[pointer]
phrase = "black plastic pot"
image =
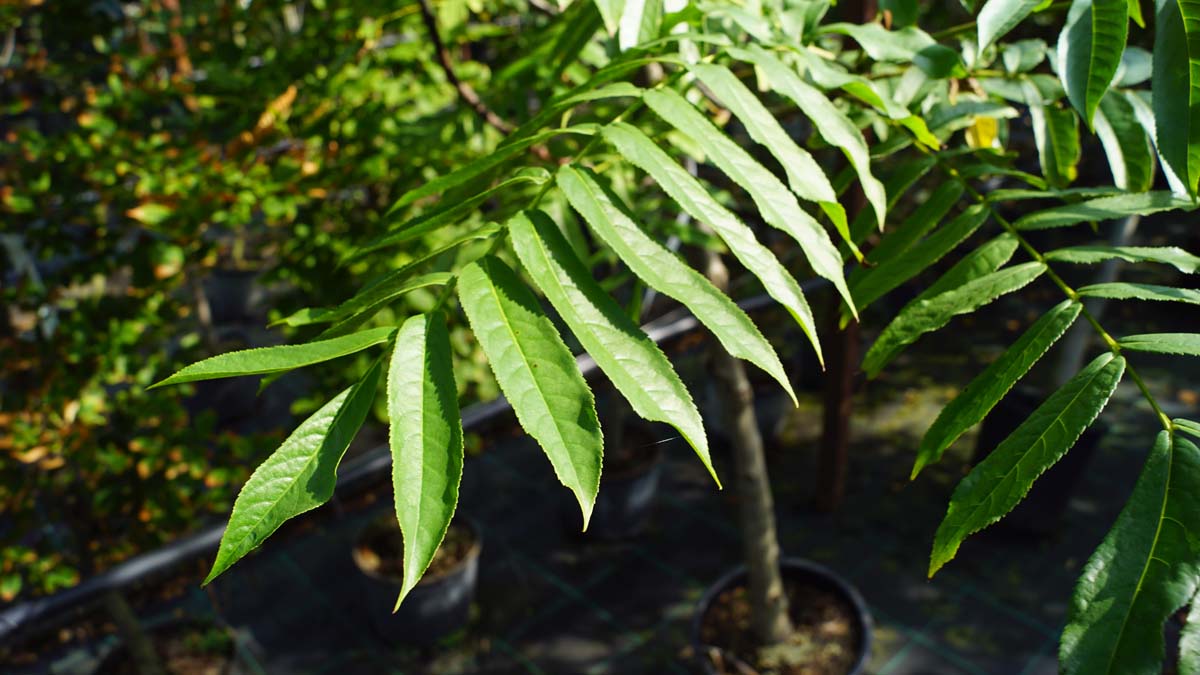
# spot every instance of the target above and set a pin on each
(1041, 512)
(436, 607)
(118, 659)
(796, 569)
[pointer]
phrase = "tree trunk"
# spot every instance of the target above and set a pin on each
(141, 649)
(839, 404)
(756, 509)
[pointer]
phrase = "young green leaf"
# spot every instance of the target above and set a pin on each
(1168, 255)
(299, 476)
(1089, 51)
(369, 299)
(1125, 142)
(1187, 426)
(1187, 344)
(895, 269)
(277, 359)
(1001, 480)
(1100, 209)
(479, 167)
(537, 374)
(1056, 133)
(985, 391)
(696, 201)
(776, 204)
(1000, 16)
(1147, 567)
(665, 273)
(981, 261)
(447, 214)
(632, 362)
(882, 44)
(831, 123)
(940, 62)
(804, 175)
(929, 315)
(1119, 290)
(1175, 88)
(426, 438)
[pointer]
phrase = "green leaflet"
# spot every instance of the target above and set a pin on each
(897, 182)
(426, 438)
(299, 476)
(777, 205)
(1175, 87)
(696, 200)
(632, 362)
(1056, 132)
(1140, 100)
(611, 10)
(1013, 195)
(1187, 426)
(1102, 208)
(831, 123)
(1000, 16)
(640, 21)
(1147, 567)
(986, 389)
(448, 214)
(1023, 55)
(1089, 51)
(804, 175)
(481, 166)
(277, 359)
(924, 316)
(1119, 290)
(1001, 480)
(1168, 255)
(1187, 344)
(895, 269)
(976, 263)
(388, 289)
(537, 374)
(881, 44)
(923, 219)
(1130, 155)
(940, 62)
(663, 272)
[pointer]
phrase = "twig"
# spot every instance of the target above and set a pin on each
(465, 91)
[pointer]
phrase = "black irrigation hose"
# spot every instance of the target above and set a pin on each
(358, 472)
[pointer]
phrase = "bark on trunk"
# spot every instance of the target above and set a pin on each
(141, 649)
(756, 509)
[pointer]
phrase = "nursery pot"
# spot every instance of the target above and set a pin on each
(797, 573)
(627, 494)
(171, 641)
(1042, 509)
(438, 605)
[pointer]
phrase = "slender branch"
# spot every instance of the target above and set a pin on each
(465, 91)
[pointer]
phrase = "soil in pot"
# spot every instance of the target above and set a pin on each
(380, 550)
(184, 648)
(826, 639)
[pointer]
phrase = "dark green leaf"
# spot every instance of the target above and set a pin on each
(1187, 426)
(1101, 209)
(976, 263)
(1187, 344)
(985, 391)
(1119, 290)
(1000, 16)
(1147, 567)
(1169, 255)
(929, 315)
(940, 62)
(1001, 480)
(1175, 87)
(1089, 51)
(1130, 155)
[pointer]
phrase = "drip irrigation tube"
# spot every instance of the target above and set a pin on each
(358, 472)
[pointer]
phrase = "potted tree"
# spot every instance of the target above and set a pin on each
(876, 70)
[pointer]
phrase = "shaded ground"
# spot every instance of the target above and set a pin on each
(550, 601)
